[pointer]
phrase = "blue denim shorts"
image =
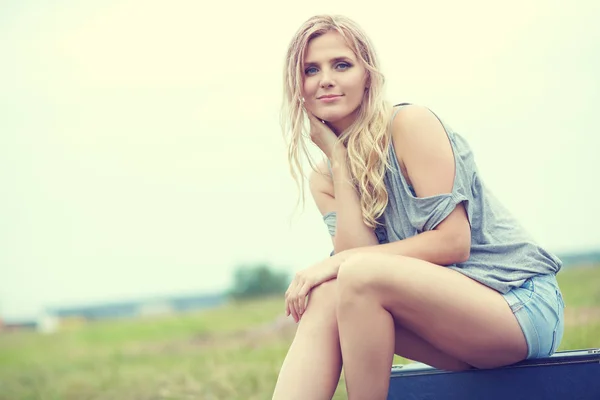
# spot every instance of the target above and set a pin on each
(538, 305)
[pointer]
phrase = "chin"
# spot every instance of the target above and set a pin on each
(333, 115)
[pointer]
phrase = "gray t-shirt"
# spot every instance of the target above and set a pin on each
(503, 255)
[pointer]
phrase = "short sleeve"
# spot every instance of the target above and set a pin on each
(425, 213)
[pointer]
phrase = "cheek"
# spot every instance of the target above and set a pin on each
(309, 88)
(355, 92)
(352, 84)
(359, 84)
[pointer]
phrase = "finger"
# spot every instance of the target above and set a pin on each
(287, 301)
(315, 121)
(297, 301)
(287, 308)
(318, 120)
(293, 311)
(291, 288)
(290, 306)
(295, 297)
(302, 298)
(288, 294)
(294, 305)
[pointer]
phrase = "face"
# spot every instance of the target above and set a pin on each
(334, 80)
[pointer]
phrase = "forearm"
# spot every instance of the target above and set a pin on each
(351, 231)
(433, 246)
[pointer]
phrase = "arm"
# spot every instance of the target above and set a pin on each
(427, 161)
(321, 188)
(426, 158)
(337, 194)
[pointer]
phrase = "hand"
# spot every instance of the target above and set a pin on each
(304, 282)
(322, 135)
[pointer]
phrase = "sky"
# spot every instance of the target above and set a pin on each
(141, 152)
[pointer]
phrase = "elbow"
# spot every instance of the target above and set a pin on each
(462, 255)
(456, 248)
(461, 249)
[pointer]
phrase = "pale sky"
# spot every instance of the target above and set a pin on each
(141, 154)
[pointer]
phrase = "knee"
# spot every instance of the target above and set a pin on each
(323, 298)
(325, 292)
(354, 277)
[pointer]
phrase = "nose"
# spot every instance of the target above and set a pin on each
(326, 80)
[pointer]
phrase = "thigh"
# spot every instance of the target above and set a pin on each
(456, 314)
(320, 315)
(410, 345)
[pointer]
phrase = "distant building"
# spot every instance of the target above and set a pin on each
(56, 317)
(24, 325)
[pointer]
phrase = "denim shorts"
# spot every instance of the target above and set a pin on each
(538, 305)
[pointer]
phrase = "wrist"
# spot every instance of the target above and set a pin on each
(338, 156)
(341, 257)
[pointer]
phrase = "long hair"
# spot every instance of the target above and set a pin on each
(366, 139)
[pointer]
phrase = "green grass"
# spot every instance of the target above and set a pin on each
(580, 286)
(207, 355)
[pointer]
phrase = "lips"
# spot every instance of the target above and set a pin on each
(329, 96)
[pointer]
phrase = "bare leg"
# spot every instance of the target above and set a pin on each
(311, 370)
(455, 314)
(367, 341)
(415, 348)
(312, 367)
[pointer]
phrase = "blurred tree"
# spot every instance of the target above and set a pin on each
(258, 280)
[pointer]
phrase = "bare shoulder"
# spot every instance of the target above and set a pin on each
(423, 149)
(415, 126)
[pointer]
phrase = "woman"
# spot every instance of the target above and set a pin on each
(427, 264)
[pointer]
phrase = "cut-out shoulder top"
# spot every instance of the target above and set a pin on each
(503, 255)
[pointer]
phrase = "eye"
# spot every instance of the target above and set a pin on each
(343, 66)
(310, 71)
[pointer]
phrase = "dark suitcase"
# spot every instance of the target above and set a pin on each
(572, 375)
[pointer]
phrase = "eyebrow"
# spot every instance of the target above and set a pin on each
(332, 61)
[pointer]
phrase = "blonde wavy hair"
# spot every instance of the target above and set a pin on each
(366, 140)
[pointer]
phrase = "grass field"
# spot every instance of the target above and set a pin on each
(232, 353)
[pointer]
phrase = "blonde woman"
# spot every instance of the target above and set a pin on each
(427, 264)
